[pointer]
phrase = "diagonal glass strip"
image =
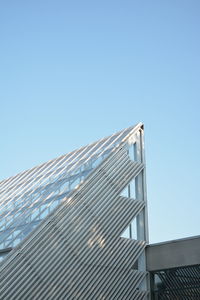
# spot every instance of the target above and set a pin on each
(27, 198)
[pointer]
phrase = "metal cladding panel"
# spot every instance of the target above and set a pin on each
(77, 251)
(177, 283)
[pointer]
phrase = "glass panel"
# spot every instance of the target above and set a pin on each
(129, 190)
(132, 152)
(134, 229)
(125, 192)
(126, 233)
(131, 231)
(132, 189)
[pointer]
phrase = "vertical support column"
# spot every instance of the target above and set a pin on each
(151, 285)
(144, 188)
(142, 225)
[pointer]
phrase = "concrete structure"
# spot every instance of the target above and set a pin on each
(173, 254)
(174, 268)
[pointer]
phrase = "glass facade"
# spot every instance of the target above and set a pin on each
(77, 251)
(27, 198)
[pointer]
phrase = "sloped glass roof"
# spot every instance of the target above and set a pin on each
(27, 198)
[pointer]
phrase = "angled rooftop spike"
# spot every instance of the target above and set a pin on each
(77, 225)
(30, 196)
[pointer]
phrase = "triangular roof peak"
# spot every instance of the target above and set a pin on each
(27, 198)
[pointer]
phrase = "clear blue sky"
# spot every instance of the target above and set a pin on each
(72, 72)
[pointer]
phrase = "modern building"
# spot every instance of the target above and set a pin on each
(76, 228)
(174, 269)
